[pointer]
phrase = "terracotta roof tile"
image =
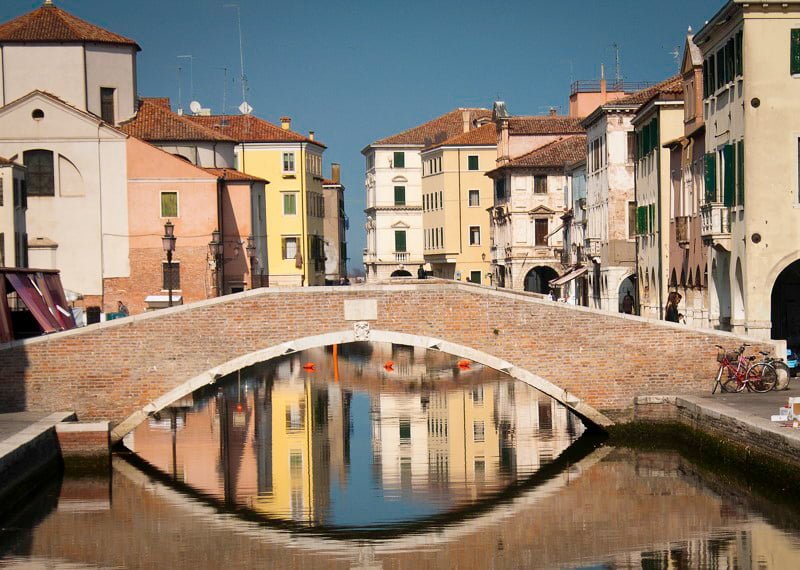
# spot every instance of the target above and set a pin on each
(234, 175)
(51, 24)
(485, 135)
(545, 125)
(554, 155)
(673, 85)
(329, 182)
(436, 130)
(155, 122)
(6, 162)
(249, 128)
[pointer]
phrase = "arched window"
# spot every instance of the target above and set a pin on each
(39, 178)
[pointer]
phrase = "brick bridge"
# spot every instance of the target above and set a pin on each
(593, 362)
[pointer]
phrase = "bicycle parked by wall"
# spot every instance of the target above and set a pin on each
(782, 371)
(737, 372)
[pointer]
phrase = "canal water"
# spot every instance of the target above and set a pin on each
(385, 456)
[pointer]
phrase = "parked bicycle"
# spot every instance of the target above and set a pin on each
(737, 372)
(782, 371)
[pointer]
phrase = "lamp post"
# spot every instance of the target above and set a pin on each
(251, 253)
(168, 243)
(217, 248)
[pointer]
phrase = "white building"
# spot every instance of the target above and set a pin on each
(394, 194)
(13, 204)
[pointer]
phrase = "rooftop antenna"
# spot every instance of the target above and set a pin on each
(224, 90)
(617, 69)
(191, 74)
(180, 95)
(244, 104)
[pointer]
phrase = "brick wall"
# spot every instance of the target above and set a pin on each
(108, 371)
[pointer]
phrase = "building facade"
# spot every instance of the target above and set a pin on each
(656, 123)
(335, 230)
(13, 206)
(455, 197)
(395, 244)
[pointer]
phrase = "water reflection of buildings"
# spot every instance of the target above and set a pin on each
(277, 438)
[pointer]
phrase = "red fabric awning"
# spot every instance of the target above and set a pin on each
(37, 305)
(57, 292)
(6, 330)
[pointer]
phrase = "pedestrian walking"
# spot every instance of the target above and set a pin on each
(671, 314)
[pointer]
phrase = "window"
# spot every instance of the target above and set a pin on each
(107, 104)
(474, 235)
(711, 177)
(500, 189)
(631, 220)
(631, 146)
(475, 277)
(174, 277)
(795, 51)
(472, 162)
(477, 393)
(405, 430)
(399, 195)
(400, 240)
(20, 194)
(728, 181)
(540, 184)
(540, 231)
(1, 191)
(288, 162)
(474, 198)
(289, 247)
(478, 431)
(290, 203)
(40, 176)
(740, 173)
(296, 416)
(169, 204)
(399, 160)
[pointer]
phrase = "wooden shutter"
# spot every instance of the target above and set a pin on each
(400, 240)
(795, 54)
(739, 53)
(399, 195)
(728, 179)
(169, 204)
(705, 79)
(711, 178)
(740, 173)
(472, 162)
(399, 160)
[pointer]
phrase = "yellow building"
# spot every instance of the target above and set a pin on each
(455, 196)
(295, 204)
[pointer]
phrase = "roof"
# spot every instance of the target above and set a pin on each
(234, 175)
(545, 125)
(51, 24)
(6, 162)
(554, 155)
(436, 130)
(485, 135)
(249, 128)
(155, 121)
(329, 182)
(672, 84)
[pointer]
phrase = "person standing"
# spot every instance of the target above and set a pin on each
(421, 272)
(672, 314)
(627, 303)
(122, 310)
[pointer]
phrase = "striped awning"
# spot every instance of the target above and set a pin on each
(567, 277)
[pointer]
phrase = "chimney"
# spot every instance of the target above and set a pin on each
(465, 119)
(286, 123)
(603, 96)
(335, 172)
(553, 111)
(311, 135)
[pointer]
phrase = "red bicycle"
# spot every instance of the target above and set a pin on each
(742, 372)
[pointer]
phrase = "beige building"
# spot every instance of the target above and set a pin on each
(657, 122)
(455, 196)
(335, 227)
(13, 204)
(750, 216)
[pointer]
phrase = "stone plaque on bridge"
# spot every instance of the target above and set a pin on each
(361, 310)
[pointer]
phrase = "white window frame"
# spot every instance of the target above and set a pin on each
(284, 250)
(469, 198)
(296, 201)
(471, 242)
(289, 156)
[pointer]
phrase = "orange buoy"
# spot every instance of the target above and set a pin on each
(463, 364)
(389, 365)
(309, 366)
(238, 407)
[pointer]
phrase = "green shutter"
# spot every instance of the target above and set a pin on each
(740, 173)
(651, 210)
(795, 51)
(399, 160)
(400, 240)
(472, 162)
(711, 178)
(730, 69)
(399, 195)
(169, 204)
(641, 220)
(705, 79)
(728, 180)
(739, 53)
(720, 65)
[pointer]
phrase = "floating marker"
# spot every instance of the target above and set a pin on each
(309, 366)
(389, 365)
(465, 364)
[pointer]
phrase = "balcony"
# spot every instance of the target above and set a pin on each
(369, 257)
(715, 224)
(402, 257)
(682, 230)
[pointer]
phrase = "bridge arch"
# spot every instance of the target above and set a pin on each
(212, 375)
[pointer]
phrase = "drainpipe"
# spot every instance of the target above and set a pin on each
(660, 217)
(102, 235)
(304, 213)
(460, 227)
(636, 297)
(221, 226)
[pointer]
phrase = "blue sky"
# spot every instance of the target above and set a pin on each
(358, 70)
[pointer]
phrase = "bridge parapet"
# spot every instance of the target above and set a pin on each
(594, 362)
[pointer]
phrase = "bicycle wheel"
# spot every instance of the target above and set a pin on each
(761, 377)
(784, 374)
(731, 384)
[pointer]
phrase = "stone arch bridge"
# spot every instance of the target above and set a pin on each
(593, 362)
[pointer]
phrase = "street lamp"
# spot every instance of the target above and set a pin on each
(251, 253)
(217, 248)
(168, 243)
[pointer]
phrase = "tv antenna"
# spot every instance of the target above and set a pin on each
(241, 58)
(224, 89)
(617, 68)
(191, 77)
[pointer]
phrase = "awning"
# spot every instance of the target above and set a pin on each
(32, 297)
(568, 277)
(6, 331)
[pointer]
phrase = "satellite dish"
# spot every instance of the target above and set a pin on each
(195, 107)
(245, 108)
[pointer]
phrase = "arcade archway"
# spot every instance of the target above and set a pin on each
(538, 279)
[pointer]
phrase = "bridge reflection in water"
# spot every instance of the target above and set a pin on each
(377, 438)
